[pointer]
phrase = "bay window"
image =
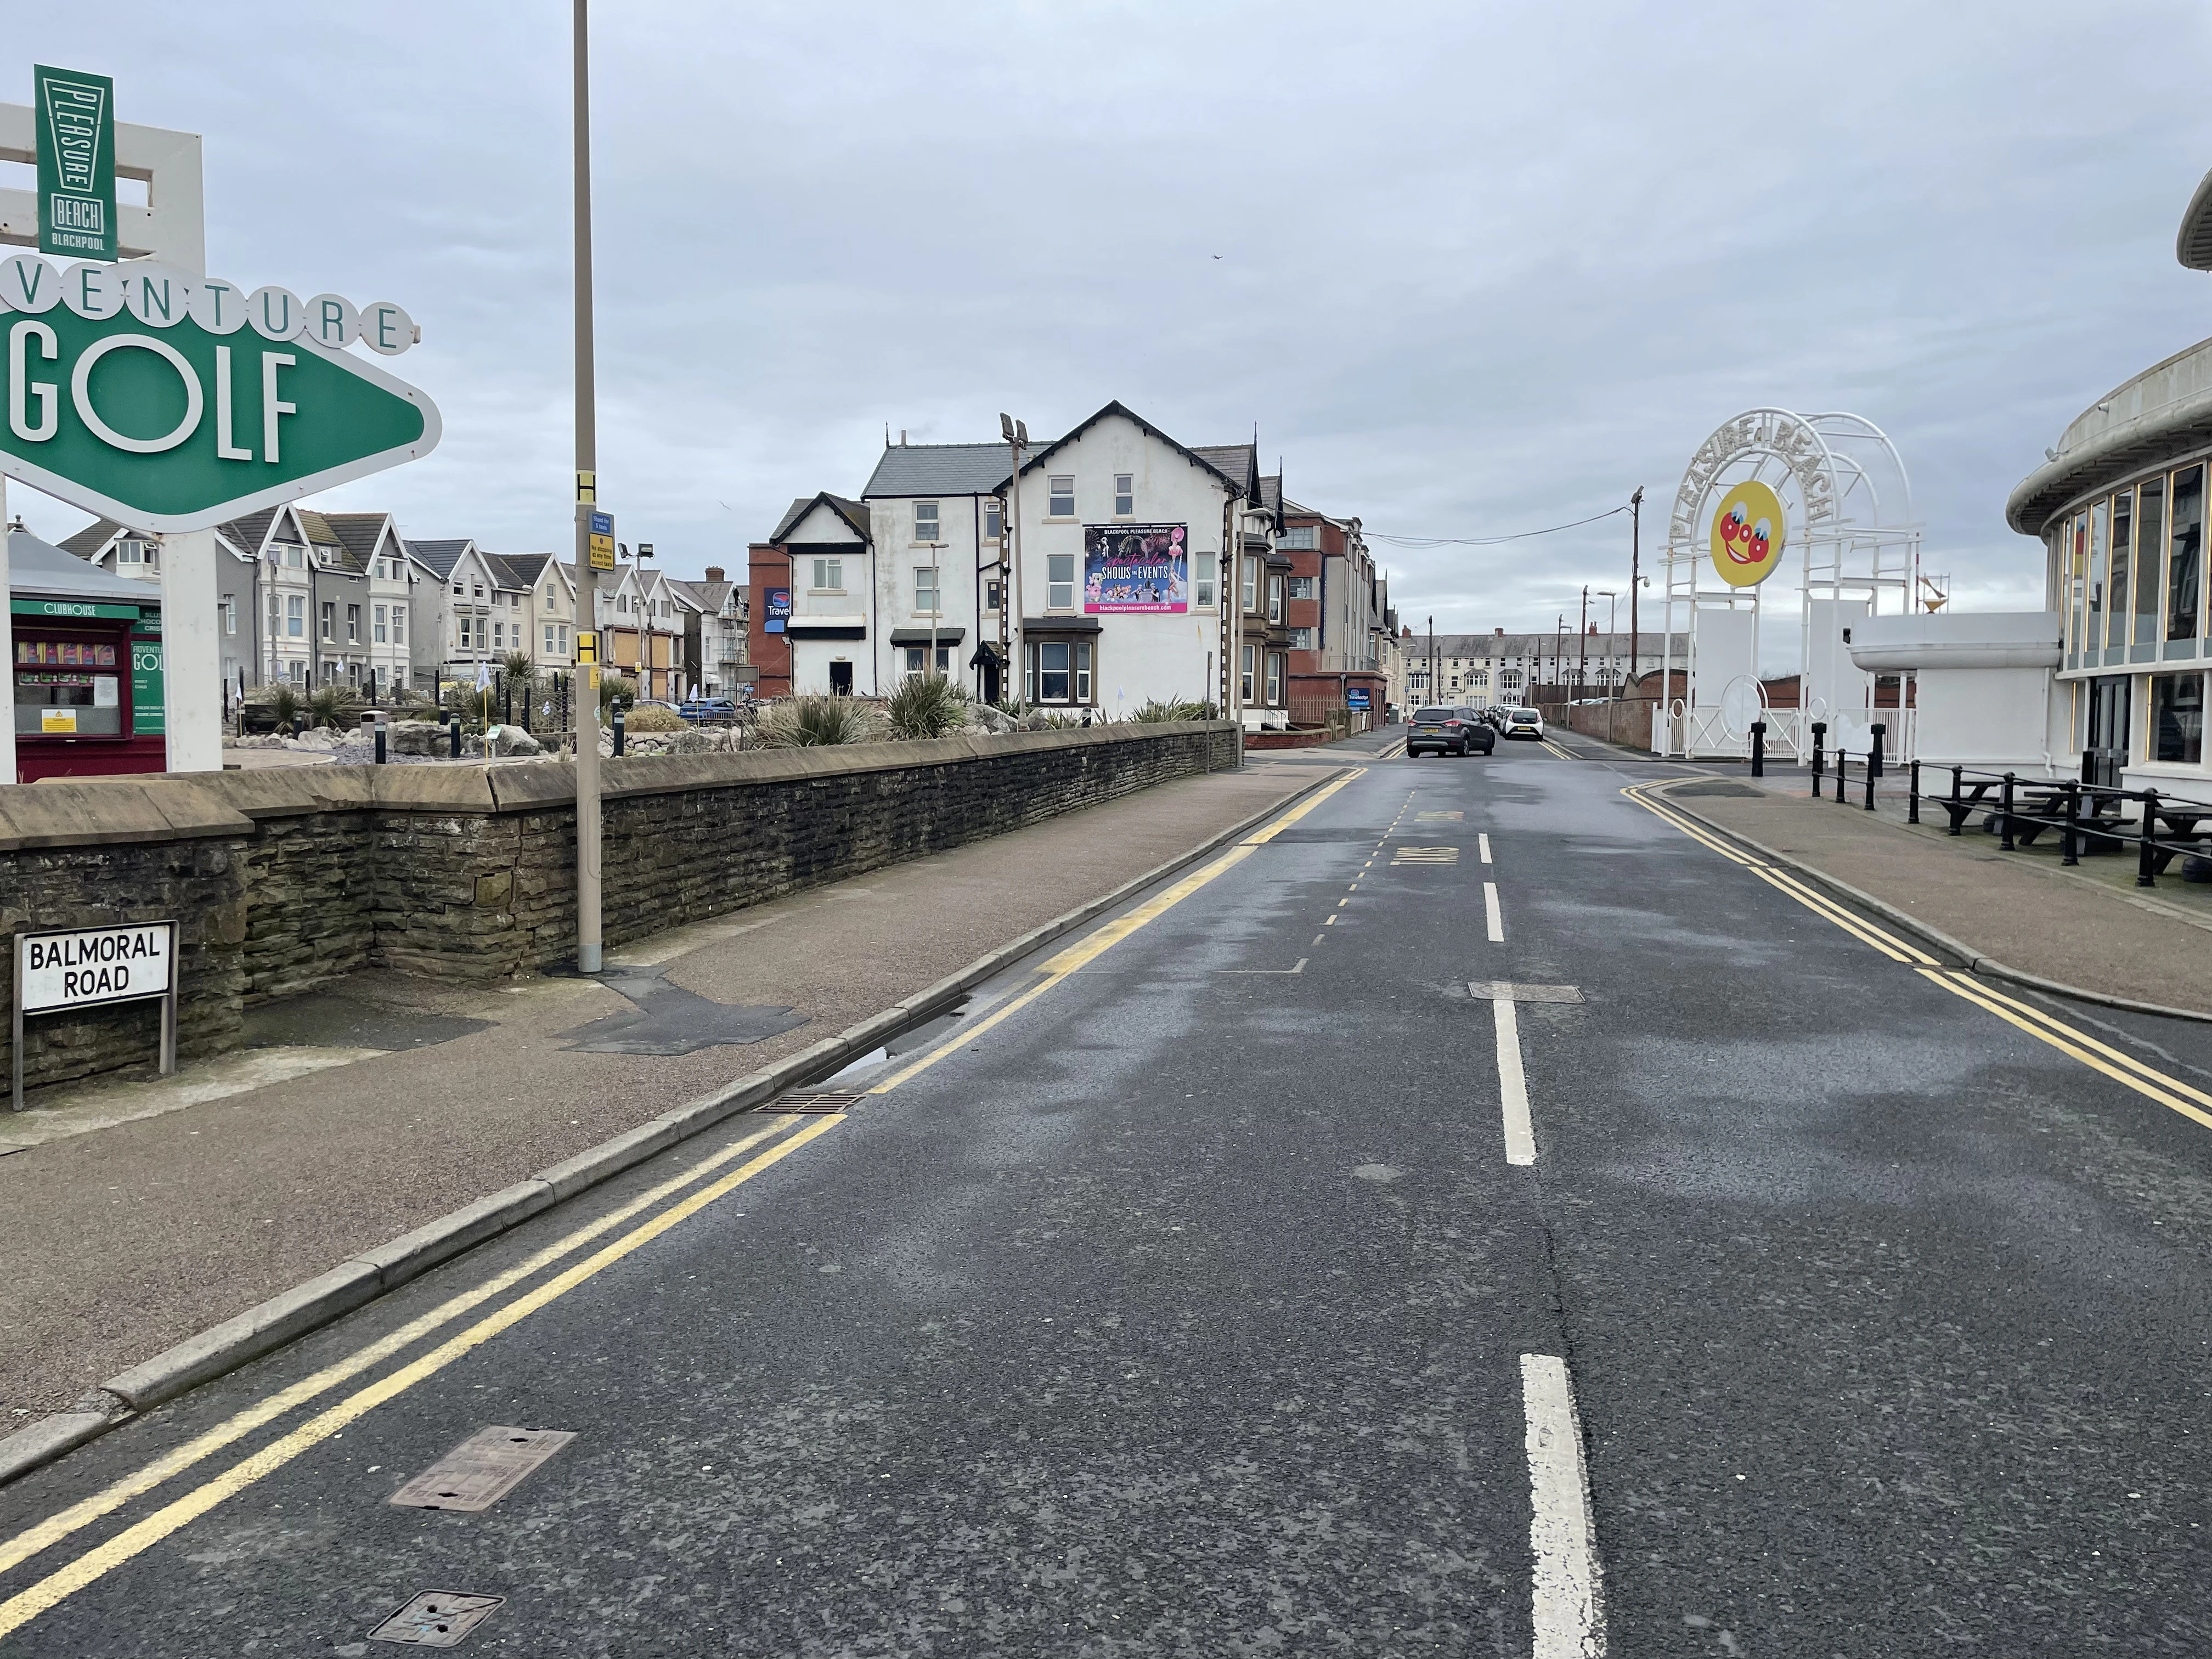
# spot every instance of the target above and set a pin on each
(1059, 671)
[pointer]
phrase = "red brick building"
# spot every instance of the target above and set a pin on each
(1336, 620)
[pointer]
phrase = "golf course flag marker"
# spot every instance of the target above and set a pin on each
(177, 402)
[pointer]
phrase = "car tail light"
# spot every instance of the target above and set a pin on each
(1451, 722)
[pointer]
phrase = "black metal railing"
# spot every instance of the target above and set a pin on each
(2088, 816)
(1838, 760)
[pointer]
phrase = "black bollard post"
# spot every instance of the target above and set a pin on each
(1820, 735)
(1758, 749)
(2147, 864)
(1912, 800)
(1873, 771)
(619, 732)
(1873, 757)
(453, 732)
(1842, 771)
(1958, 789)
(2004, 815)
(380, 743)
(2069, 845)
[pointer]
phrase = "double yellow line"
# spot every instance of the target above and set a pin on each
(57, 1587)
(2122, 1067)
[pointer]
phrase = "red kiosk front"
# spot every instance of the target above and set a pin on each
(87, 666)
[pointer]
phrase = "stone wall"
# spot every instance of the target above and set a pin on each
(285, 879)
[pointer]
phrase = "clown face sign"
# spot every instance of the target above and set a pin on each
(1747, 534)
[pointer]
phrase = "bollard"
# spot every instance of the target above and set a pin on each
(453, 732)
(2004, 815)
(1912, 801)
(1873, 770)
(1874, 754)
(1820, 732)
(2147, 864)
(1758, 749)
(380, 743)
(1958, 789)
(2069, 847)
(619, 732)
(1843, 770)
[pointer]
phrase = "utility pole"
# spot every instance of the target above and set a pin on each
(1431, 697)
(1635, 583)
(1582, 663)
(587, 585)
(1016, 434)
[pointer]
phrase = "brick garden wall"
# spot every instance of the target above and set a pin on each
(287, 879)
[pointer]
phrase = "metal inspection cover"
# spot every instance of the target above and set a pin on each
(436, 1619)
(481, 1470)
(1498, 990)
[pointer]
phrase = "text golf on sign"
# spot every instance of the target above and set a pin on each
(94, 965)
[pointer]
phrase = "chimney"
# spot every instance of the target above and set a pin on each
(714, 572)
(1501, 633)
(902, 437)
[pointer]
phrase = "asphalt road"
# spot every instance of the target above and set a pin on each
(1182, 1297)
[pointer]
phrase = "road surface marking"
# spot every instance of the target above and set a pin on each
(1318, 938)
(2145, 1080)
(1099, 942)
(1668, 816)
(1513, 1084)
(1341, 902)
(1482, 846)
(25, 1605)
(1865, 935)
(1492, 914)
(1423, 853)
(1329, 922)
(1568, 1613)
(15, 1551)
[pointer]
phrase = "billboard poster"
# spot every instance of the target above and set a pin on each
(1136, 567)
(779, 609)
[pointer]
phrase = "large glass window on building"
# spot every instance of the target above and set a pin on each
(2177, 718)
(2099, 521)
(2150, 568)
(2184, 578)
(2116, 606)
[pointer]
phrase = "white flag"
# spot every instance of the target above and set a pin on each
(483, 677)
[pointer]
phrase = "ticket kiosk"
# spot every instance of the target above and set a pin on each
(86, 668)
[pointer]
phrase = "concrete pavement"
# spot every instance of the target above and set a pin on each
(1189, 1298)
(143, 1211)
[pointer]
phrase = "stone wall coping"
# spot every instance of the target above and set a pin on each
(165, 806)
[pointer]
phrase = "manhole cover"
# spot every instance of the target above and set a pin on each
(816, 1100)
(481, 1470)
(1498, 990)
(436, 1619)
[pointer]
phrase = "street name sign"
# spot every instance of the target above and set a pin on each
(86, 967)
(174, 401)
(76, 115)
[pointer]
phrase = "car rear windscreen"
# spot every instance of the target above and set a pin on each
(1436, 713)
(1526, 715)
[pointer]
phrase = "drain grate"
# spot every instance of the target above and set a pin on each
(815, 1100)
(483, 1469)
(436, 1619)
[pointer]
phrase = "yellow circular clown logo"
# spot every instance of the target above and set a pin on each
(1747, 534)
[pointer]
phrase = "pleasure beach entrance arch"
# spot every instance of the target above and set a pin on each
(1846, 526)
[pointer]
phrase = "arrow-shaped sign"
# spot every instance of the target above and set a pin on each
(168, 427)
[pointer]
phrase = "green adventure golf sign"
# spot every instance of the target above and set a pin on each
(174, 401)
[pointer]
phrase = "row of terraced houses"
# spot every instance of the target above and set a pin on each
(1150, 569)
(319, 598)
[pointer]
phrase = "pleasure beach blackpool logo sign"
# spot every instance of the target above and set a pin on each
(173, 402)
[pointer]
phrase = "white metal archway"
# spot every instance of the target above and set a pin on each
(1849, 506)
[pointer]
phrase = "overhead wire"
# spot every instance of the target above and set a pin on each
(1490, 541)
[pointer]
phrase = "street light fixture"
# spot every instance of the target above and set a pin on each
(588, 587)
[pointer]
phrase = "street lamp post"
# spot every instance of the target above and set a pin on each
(1635, 582)
(587, 585)
(1017, 433)
(1581, 661)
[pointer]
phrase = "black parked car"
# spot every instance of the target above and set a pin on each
(1446, 731)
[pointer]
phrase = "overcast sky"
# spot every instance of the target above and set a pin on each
(1471, 269)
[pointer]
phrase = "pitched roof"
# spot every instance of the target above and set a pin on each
(92, 541)
(940, 469)
(853, 513)
(518, 570)
(1238, 463)
(251, 529)
(441, 557)
(711, 594)
(38, 567)
(1202, 457)
(359, 532)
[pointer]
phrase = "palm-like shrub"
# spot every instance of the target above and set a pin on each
(927, 706)
(808, 722)
(332, 705)
(1176, 708)
(285, 704)
(616, 691)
